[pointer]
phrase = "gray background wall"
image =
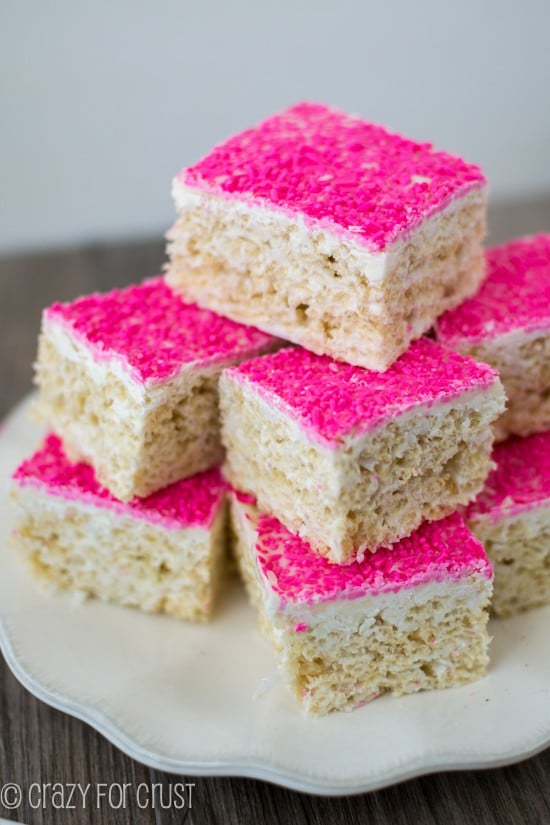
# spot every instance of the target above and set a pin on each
(102, 102)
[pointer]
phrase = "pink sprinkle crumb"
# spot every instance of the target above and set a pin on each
(301, 627)
(519, 483)
(332, 400)
(244, 498)
(153, 333)
(193, 502)
(514, 297)
(337, 172)
(438, 551)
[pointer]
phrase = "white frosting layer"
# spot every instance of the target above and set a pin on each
(298, 236)
(357, 615)
(302, 239)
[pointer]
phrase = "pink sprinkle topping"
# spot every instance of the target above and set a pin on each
(438, 551)
(153, 333)
(515, 296)
(332, 400)
(301, 627)
(338, 172)
(193, 502)
(519, 483)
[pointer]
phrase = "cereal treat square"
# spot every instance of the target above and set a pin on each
(165, 553)
(352, 459)
(402, 620)
(512, 517)
(129, 381)
(330, 232)
(507, 324)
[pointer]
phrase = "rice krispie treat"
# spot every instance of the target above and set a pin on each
(164, 553)
(512, 517)
(402, 620)
(507, 324)
(129, 381)
(330, 232)
(352, 459)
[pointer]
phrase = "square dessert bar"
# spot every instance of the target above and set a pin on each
(164, 553)
(507, 324)
(352, 459)
(330, 232)
(512, 517)
(406, 619)
(129, 381)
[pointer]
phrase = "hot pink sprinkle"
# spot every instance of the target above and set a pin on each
(193, 502)
(337, 172)
(154, 333)
(515, 296)
(332, 400)
(438, 551)
(301, 627)
(521, 480)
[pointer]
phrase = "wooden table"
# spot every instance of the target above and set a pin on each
(38, 744)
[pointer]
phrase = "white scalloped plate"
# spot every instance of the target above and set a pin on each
(198, 700)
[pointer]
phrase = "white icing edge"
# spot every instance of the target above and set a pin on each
(54, 499)
(373, 264)
(275, 409)
(145, 395)
(342, 613)
(497, 340)
(536, 512)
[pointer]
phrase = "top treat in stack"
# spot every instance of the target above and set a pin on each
(507, 324)
(129, 381)
(330, 232)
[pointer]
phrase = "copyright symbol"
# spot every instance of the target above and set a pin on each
(10, 796)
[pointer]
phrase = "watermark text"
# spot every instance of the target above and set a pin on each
(74, 796)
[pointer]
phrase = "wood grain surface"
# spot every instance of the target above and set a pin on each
(41, 745)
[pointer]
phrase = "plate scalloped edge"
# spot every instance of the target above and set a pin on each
(107, 728)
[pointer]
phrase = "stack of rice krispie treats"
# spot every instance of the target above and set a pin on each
(349, 454)
(280, 367)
